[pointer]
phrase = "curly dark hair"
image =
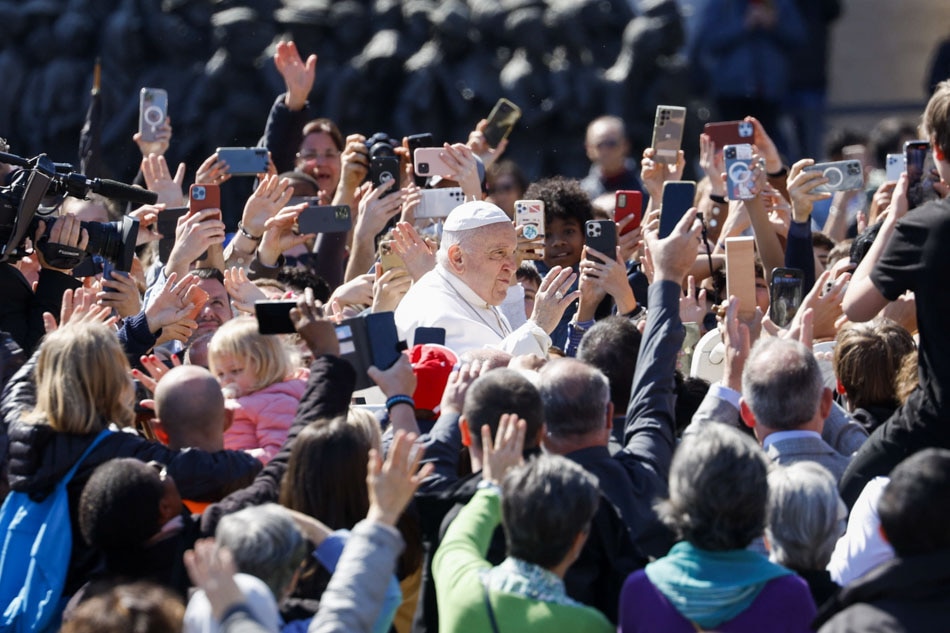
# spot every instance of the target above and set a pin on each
(563, 199)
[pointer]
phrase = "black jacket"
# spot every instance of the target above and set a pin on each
(40, 457)
(904, 595)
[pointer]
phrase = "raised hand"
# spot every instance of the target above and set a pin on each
(553, 297)
(393, 483)
(298, 75)
(163, 138)
(271, 195)
(243, 292)
(158, 178)
(317, 332)
(416, 253)
(506, 452)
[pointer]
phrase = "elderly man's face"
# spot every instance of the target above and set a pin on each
(487, 262)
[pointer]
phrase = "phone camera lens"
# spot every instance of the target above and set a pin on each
(423, 168)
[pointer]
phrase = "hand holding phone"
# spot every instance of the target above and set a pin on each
(529, 214)
(668, 133)
(153, 110)
(628, 203)
(678, 198)
(785, 291)
(601, 235)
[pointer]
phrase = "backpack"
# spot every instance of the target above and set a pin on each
(35, 544)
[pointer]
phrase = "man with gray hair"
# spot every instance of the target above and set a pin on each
(785, 403)
(475, 265)
(579, 412)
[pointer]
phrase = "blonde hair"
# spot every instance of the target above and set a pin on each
(270, 360)
(368, 425)
(82, 380)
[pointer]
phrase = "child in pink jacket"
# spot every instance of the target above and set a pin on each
(261, 386)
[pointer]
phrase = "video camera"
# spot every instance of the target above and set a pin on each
(41, 177)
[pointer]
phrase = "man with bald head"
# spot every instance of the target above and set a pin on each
(611, 168)
(190, 409)
(475, 264)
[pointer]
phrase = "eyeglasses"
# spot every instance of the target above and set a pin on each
(308, 156)
(608, 143)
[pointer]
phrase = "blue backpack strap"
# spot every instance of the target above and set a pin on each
(72, 471)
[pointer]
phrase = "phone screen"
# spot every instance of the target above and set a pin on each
(921, 173)
(786, 295)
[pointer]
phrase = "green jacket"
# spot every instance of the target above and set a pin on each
(457, 568)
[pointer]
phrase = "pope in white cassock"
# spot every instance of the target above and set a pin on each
(475, 264)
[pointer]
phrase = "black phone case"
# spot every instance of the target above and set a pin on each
(383, 169)
(273, 317)
(333, 218)
(166, 224)
(677, 200)
(602, 236)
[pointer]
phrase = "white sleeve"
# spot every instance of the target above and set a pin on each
(862, 548)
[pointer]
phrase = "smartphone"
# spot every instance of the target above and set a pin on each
(388, 258)
(167, 224)
(894, 166)
(382, 169)
(438, 203)
(318, 218)
(501, 120)
(530, 215)
(427, 161)
(740, 273)
(110, 272)
(199, 298)
(729, 133)
(201, 197)
(785, 291)
(842, 175)
(601, 235)
(738, 160)
(627, 203)
(153, 110)
(414, 142)
(921, 173)
(273, 317)
(428, 335)
(668, 133)
(678, 198)
(245, 161)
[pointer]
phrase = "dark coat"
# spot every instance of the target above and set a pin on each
(904, 595)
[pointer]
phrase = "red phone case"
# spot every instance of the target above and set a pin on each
(201, 197)
(628, 203)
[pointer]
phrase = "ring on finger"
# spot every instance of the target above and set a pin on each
(558, 295)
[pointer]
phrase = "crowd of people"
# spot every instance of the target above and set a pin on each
(573, 440)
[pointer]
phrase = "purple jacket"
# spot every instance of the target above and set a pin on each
(783, 606)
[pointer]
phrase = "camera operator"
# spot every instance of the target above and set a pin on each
(22, 308)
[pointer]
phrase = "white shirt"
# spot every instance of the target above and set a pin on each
(862, 548)
(440, 299)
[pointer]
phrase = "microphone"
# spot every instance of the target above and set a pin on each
(121, 191)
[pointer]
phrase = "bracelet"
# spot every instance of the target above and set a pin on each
(400, 399)
(717, 199)
(243, 231)
(781, 173)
